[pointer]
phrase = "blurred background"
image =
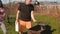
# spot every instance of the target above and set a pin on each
(46, 11)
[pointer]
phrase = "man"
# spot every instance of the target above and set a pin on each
(25, 14)
(2, 15)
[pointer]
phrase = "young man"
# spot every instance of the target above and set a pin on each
(2, 15)
(25, 13)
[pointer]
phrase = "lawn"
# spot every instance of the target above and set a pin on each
(53, 22)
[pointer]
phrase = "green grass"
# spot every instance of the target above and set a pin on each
(53, 22)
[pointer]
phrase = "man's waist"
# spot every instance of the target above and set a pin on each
(24, 19)
(1, 20)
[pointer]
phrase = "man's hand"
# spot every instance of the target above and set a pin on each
(16, 20)
(34, 20)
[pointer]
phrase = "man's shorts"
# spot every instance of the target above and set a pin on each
(24, 24)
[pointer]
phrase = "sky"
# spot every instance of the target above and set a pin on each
(7, 1)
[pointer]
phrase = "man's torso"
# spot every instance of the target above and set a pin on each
(25, 12)
(1, 14)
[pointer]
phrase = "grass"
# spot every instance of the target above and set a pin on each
(53, 22)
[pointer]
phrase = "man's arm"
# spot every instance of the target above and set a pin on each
(4, 14)
(17, 15)
(32, 16)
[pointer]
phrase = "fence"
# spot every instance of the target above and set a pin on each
(52, 10)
